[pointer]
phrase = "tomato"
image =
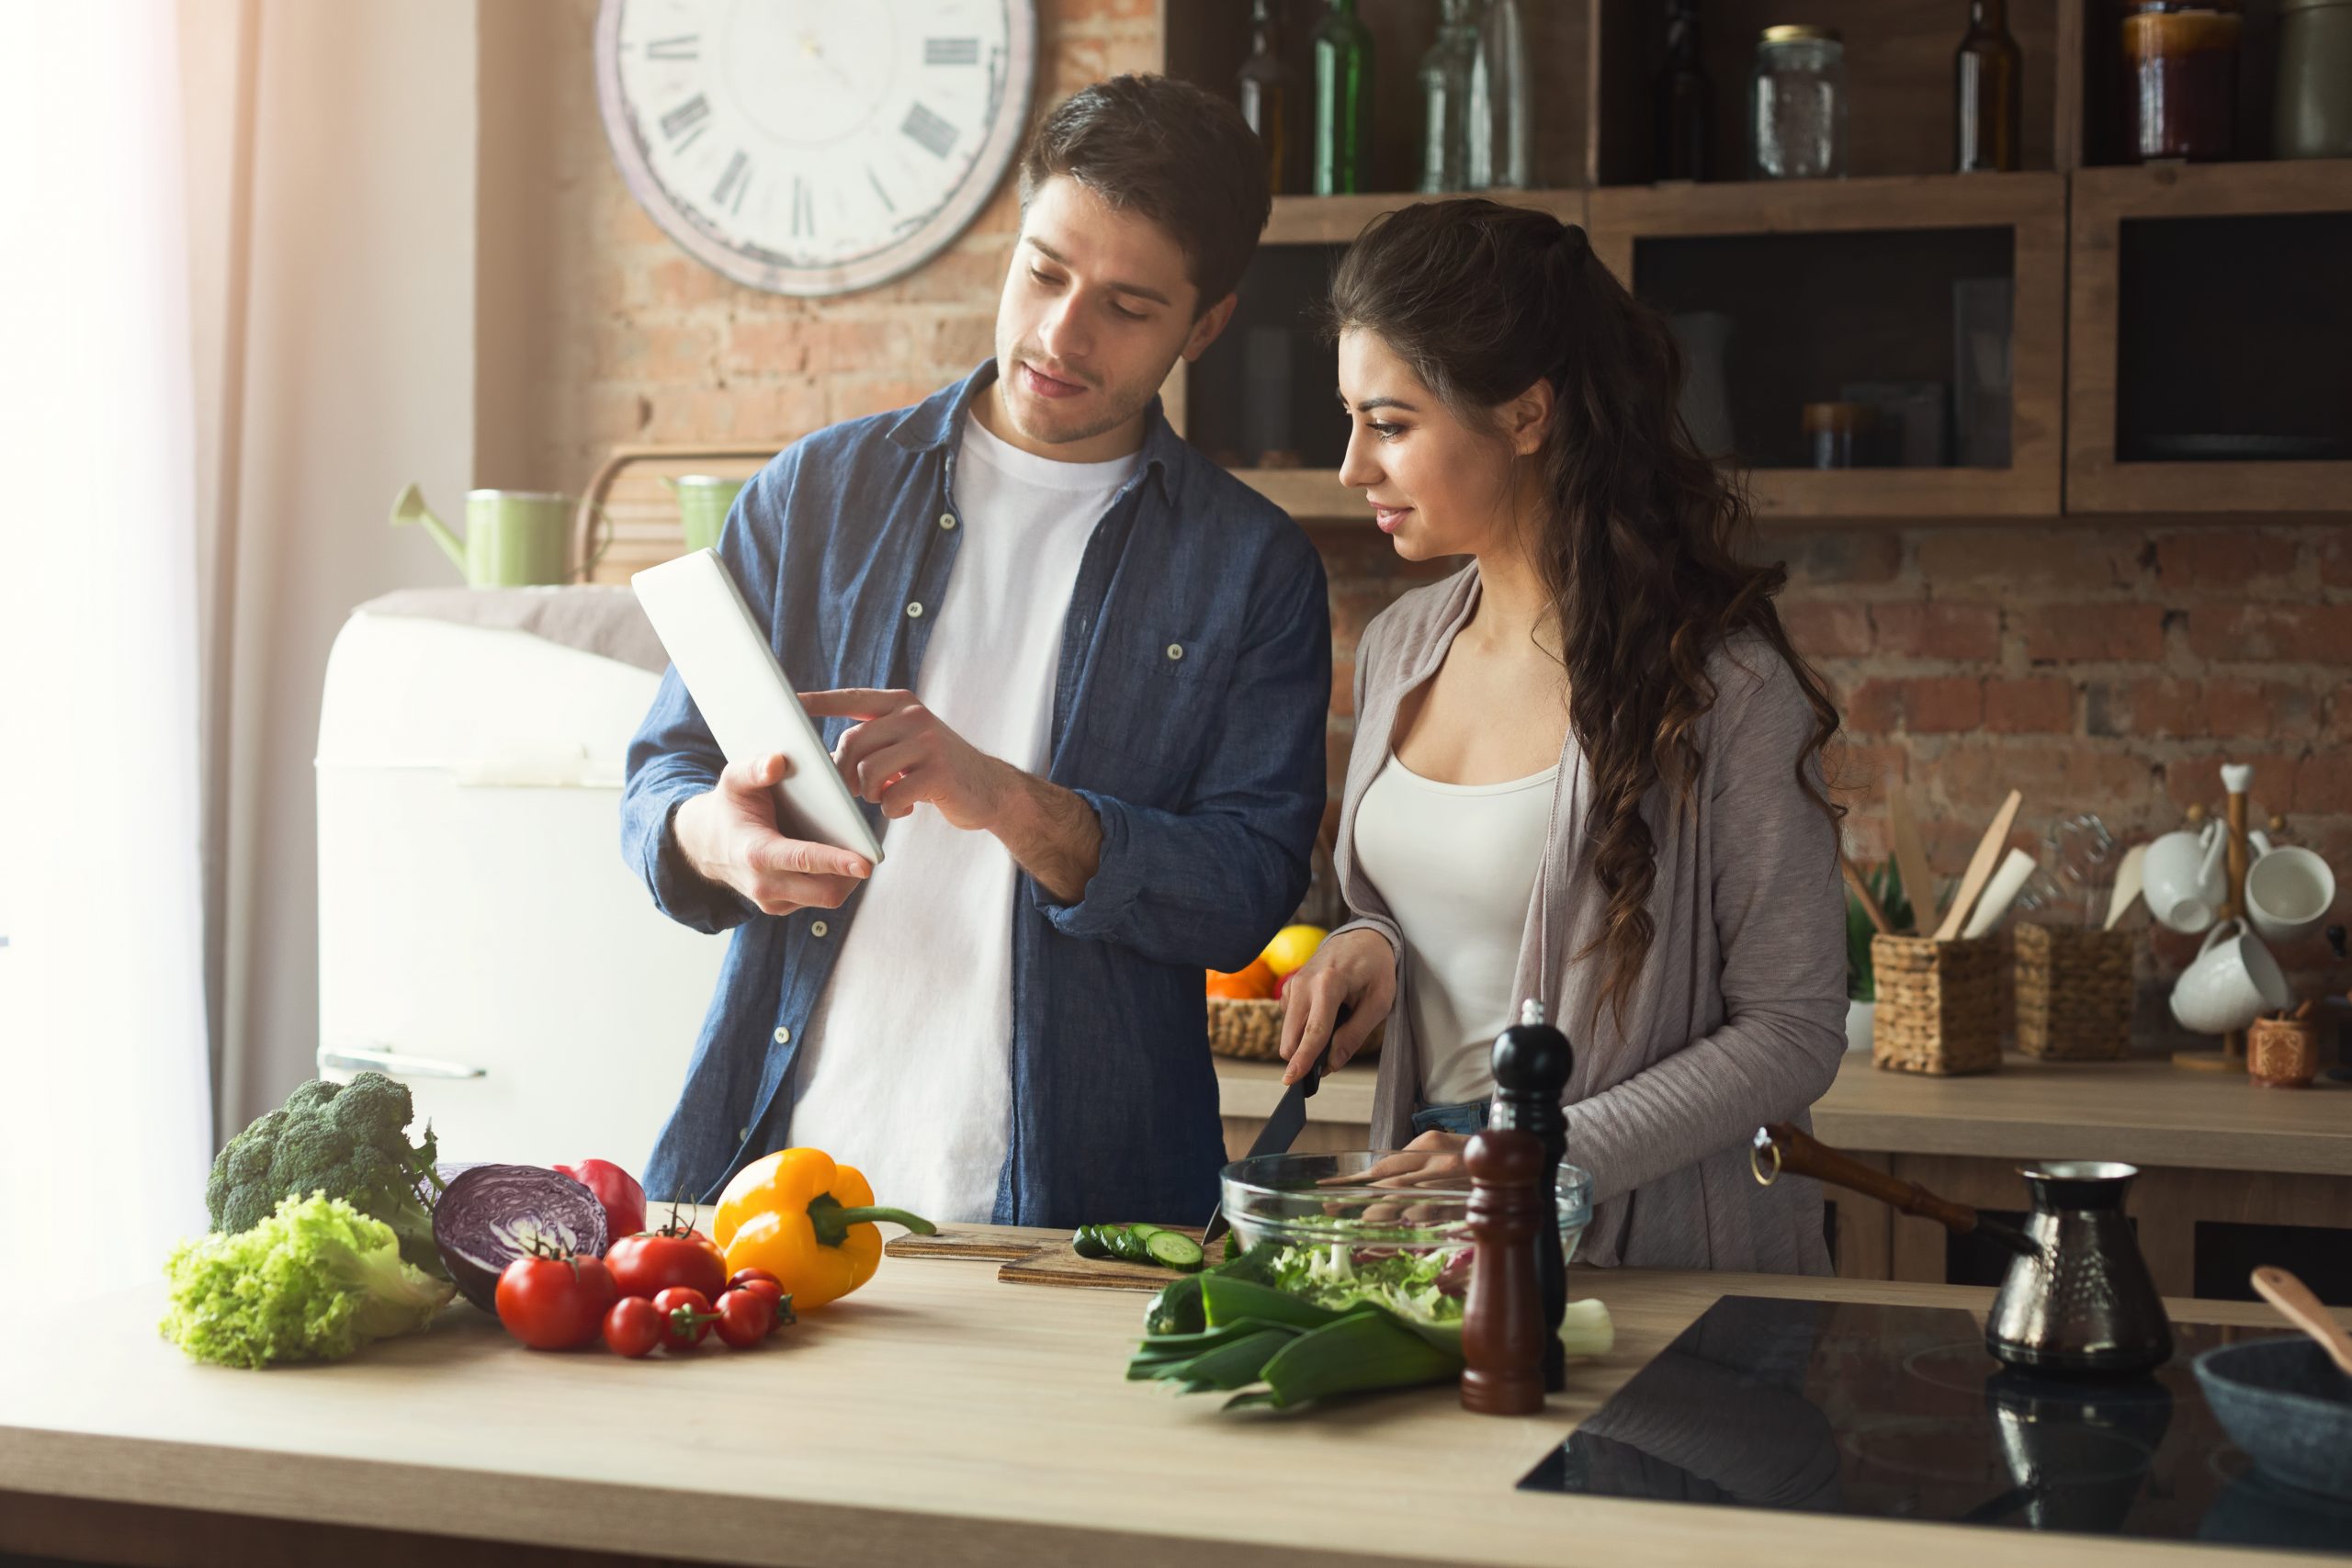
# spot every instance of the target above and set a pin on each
(767, 1290)
(745, 1318)
(632, 1327)
(651, 1261)
(737, 1280)
(555, 1302)
(685, 1316)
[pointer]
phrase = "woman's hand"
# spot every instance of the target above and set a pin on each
(1336, 1000)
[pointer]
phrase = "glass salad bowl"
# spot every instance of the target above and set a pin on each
(1364, 1224)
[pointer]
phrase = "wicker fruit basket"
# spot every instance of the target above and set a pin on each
(2074, 986)
(1938, 1004)
(1252, 1030)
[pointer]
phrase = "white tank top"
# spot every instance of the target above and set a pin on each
(1457, 865)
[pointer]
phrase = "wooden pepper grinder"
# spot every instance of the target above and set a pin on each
(1502, 1321)
(1532, 1060)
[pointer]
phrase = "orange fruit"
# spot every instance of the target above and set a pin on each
(1256, 982)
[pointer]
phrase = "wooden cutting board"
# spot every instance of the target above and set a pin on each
(991, 1244)
(1056, 1264)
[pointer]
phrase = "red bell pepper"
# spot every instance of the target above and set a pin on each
(616, 1189)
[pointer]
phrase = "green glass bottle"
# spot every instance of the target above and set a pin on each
(1342, 102)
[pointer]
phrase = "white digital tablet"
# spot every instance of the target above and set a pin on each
(753, 711)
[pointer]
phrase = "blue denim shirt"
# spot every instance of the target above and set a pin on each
(1205, 768)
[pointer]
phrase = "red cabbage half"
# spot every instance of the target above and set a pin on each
(491, 1214)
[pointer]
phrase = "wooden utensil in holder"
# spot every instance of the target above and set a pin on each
(1938, 1004)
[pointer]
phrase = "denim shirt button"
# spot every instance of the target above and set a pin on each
(819, 927)
(914, 612)
(743, 1135)
(1175, 650)
(782, 1035)
(947, 519)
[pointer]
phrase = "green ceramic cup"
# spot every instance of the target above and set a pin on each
(704, 500)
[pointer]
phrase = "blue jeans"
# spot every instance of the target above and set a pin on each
(1464, 1118)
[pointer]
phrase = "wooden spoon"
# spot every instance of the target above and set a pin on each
(2130, 878)
(2298, 1306)
(1911, 859)
(1980, 867)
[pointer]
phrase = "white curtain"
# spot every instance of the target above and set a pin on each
(104, 1098)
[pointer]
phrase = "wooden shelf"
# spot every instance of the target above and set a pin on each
(2105, 200)
(2031, 206)
(1337, 219)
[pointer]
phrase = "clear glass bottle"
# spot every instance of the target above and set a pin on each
(1987, 96)
(1447, 70)
(1502, 108)
(1796, 105)
(1263, 87)
(1343, 48)
(1682, 100)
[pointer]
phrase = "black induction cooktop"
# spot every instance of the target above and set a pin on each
(1898, 1413)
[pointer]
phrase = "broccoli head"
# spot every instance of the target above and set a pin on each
(348, 1141)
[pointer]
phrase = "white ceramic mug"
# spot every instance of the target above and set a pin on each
(2233, 981)
(2184, 879)
(2289, 892)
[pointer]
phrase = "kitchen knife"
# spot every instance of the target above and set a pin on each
(1282, 1129)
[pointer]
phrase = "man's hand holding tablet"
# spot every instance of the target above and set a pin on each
(730, 837)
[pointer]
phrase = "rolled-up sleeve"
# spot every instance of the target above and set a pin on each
(1210, 883)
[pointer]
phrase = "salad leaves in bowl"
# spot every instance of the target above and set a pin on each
(1386, 1228)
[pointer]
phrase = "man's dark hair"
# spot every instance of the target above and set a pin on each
(1179, 155)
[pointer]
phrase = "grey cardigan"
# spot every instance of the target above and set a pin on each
(1738, 1017)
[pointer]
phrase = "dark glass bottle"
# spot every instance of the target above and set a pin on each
(1987, 98)
(1342, 102)
(1683, 99)
(1263, 88)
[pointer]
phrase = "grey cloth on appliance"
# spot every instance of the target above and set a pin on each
(597, 618)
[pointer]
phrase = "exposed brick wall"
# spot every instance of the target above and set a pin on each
(2097, 667)
(641, 342)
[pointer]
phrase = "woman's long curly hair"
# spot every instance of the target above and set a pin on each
(1638, 547)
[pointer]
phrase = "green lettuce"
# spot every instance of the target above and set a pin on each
(313, 1282)
(1337, 1277)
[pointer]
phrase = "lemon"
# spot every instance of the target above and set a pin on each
(1293, 946)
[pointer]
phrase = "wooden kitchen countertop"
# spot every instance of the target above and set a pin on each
(2145, 1111)
(937, 1415)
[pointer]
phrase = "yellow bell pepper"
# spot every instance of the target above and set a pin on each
(807, 1221)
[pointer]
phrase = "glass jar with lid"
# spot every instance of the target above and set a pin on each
(1796, 104)
(2180, 65)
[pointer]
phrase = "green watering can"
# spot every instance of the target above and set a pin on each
(704, 501)
(515, 538)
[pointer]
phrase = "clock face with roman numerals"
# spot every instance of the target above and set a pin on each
(814, 146)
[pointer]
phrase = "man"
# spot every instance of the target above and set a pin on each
(1079, 670)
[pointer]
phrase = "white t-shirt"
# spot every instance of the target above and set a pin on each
(1457, 865)
(906, 1069)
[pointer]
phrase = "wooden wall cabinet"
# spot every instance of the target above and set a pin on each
(2210, 306)
(1801, 307)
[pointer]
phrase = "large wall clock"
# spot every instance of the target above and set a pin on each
(815, 146)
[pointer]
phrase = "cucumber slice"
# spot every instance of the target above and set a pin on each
(1174, 1248)
(1123, 1243)
(1088, 1242)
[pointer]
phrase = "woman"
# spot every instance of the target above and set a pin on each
(1586, 766)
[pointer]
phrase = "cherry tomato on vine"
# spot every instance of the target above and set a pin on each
(633, 1328)
(685, 1316)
